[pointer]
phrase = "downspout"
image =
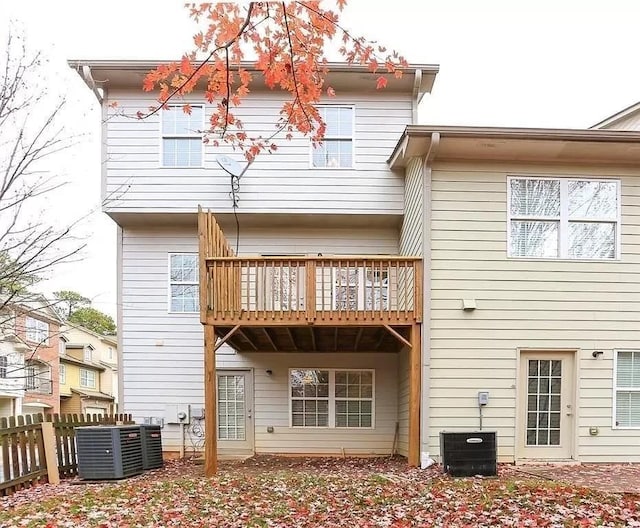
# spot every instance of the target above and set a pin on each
(415, 100)
(426, 294)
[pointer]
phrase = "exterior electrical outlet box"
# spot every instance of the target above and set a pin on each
(469, 453)
(151, 441)
(483, 398)
(109, 452)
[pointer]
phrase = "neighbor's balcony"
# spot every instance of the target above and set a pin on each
(313, 290)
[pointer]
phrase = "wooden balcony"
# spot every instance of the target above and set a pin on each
(313, 290)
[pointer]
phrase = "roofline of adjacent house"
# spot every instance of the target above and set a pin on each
(618, 116)
(508, 133)
(102, 337)
(80, 363)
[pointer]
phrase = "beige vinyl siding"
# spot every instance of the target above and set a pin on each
(525, 304)
(403, 403)
(411, 231)
(163, 353)
(71, 405)
(136, 181)
(630, 122)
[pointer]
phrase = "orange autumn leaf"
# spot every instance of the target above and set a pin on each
(287, 43)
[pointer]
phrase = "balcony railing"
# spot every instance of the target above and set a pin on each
(308, 290)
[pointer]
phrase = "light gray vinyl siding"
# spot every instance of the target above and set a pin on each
(412, 222)
(525, 304)
(403, 403)
(630, 122)
(162, 359)
(278, 182)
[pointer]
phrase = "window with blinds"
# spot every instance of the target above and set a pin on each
(627, 389)
(563, 218)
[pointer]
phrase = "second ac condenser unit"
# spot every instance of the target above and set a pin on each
(151, 446)
(469, 453)
(109, 452)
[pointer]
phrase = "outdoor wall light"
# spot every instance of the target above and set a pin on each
(269, 372)
(597, 353)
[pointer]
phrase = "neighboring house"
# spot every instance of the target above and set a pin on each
(37, 326)
(104, 352)
(81, 391)
(532, 257)
(381, 281)
(626, 119)
(12, 352)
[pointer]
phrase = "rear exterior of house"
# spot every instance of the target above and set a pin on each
(534, 279)
(288, 382)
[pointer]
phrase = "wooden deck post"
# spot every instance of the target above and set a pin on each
(414, 396)
(210, 403)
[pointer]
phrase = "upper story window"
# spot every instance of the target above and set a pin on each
(563, 218)
(87, 355)
(87, 378)
(63, 374)
(36, 331)
(182, 144)
(183, 278)
(110, 353)
(336, 150)
(627, 389)
(4, 363)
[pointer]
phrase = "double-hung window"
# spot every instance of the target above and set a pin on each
(563, 218)
(336, 150)
(87, 378)
(63, 374)
(4, 363)
(627, 389)
(37, 331)
(182, 144)
(183, 278)
(332, 398)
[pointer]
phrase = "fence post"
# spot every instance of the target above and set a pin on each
(49, 441)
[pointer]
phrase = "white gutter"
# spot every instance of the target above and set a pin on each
(417, 81)
(85, 72)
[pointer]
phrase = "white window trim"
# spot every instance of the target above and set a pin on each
(332, 399)
(62, 370)
(183, 136)
(563, 220)
(170, 283)
(352, 137)
(38, 328)
(616, 389)
(86, 386)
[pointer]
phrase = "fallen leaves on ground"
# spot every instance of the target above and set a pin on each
(283, 492)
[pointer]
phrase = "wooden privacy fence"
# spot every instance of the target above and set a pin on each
(36, 449)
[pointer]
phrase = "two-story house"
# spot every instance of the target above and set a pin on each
(371, 288)
(95, 391)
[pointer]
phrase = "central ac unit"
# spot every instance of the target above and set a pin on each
(467, 454)
(151, 446)
(109, 452)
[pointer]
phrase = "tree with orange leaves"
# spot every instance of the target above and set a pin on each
(285, 43)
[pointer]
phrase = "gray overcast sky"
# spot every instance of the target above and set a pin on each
(548, 63)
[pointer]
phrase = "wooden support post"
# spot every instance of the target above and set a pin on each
(210, 403)
(49, 444)
(414, 396)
